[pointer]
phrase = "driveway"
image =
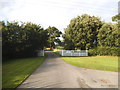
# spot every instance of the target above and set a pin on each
(55, 73)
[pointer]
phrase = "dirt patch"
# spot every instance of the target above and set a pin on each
(104, 81)
(82, 83)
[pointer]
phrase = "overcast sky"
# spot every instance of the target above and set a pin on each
(56, 13)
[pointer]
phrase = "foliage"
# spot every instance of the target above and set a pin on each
(88, 32)
(106, 63)
(68, 44)
(82, 32)
(16, 71)
(110, 51)
(22, 40)
(54, 35)
(57, 53)
(116, 17)
(108, 35)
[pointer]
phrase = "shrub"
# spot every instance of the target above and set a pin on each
(111, 51)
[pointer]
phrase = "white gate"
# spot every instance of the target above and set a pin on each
(41, 53)
(74, 52)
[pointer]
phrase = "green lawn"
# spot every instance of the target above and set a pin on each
(107, 63)
(16, 71)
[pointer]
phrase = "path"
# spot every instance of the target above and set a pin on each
(55, 73)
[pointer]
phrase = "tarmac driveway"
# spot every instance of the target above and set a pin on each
(55, 73)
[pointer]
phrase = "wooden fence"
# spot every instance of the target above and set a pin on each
(74, 52)
(41, 53)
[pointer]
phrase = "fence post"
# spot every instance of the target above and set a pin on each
(43, 52)
(79, 53)
(86, 52)
(62, 52)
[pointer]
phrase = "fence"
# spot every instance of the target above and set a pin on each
(74, 52)
(41, 53)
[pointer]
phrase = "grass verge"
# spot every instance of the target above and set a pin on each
(107, 63)
(16, 71)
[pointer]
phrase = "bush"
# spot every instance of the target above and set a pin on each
(111, 51)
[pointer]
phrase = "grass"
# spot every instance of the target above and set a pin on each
(60, 47)
(16, 71)
(107, 63)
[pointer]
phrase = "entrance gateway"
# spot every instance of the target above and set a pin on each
(68, 53)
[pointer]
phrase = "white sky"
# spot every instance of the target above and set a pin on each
(56, 13)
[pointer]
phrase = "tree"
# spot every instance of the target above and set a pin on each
(10, 39)
(105, 35)
(22, 40)
(82, 32)
(36, 37)
(116, 34)
(116, 17)
(108, 35)
(68, 44)
(54, 35)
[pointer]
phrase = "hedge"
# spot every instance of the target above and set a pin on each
(110, 51)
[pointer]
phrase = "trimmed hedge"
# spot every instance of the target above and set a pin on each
(111, 51)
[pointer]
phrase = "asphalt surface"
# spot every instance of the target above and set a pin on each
(55, 73)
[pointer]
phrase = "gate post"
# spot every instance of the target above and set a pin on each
(62, 52)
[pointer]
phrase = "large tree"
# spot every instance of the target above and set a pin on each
(54, 35)
(22, 40)
(82, 32)
(108, 35)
